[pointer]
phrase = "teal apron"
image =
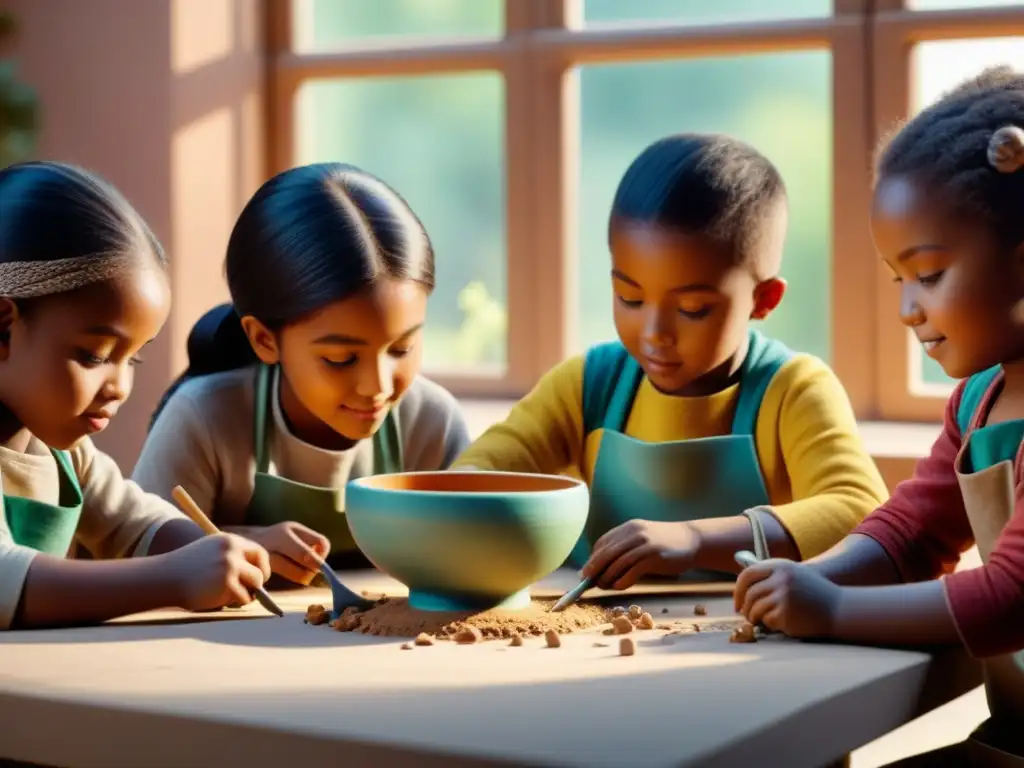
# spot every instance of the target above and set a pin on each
(987, 475)
(278, 499)
(45, 527)
(674, 481)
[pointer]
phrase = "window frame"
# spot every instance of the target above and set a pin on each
(543, 41)
(896, 30)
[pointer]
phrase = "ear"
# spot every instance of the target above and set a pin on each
(767, 296)
(8, 317)
(262, 339)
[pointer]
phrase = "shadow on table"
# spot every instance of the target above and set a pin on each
(291, 631)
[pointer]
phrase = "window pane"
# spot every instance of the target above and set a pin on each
(439, 141)
(702, 11)
(332, 23)
(938, 67)
(935, 5)
(780, 103)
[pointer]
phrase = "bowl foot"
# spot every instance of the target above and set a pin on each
(435, 601)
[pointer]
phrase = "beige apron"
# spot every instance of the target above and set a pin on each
(989, 498)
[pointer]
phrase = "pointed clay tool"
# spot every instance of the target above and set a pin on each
(190, 508)
(572, 595)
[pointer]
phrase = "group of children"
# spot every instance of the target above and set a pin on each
(697, 435)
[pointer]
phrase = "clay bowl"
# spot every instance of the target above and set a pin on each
(466, 540)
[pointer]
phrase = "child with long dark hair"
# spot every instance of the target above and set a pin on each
(311, 377)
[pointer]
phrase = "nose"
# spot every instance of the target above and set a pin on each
(659, 327)
(375, 380)
(911, 314)
(118, 385)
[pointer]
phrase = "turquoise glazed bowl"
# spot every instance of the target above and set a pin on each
(466, 540)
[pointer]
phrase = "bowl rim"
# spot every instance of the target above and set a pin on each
(364, 483)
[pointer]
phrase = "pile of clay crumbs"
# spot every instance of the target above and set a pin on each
(394, 617)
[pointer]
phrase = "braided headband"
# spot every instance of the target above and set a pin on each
(30, 279)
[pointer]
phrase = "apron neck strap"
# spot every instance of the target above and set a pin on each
(261, 415)
(387, 446)
(763, 360)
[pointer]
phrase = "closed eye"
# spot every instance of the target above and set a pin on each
(346, 363)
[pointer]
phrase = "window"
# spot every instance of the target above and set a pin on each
(507, 126)
(929, 54)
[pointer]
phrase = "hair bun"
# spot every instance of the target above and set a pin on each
(1006, 149)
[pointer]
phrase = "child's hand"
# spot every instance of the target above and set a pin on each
(289, 545)
(788, 597)
(216, 571)
(640, 548)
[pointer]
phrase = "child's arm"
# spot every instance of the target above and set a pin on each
(544, 431)
(119, 519)
(433, 427)
(918, 534)
(833, 480)
(179, 450)
(38, 590)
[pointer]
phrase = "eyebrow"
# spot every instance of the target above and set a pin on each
(342, 339)
(690, 288)
(106, 330)
(916, 250)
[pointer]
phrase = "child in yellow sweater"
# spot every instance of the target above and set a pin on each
(697, 435)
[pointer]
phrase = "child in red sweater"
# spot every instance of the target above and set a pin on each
(948, 219)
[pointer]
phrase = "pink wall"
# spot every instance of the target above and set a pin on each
(165, 99)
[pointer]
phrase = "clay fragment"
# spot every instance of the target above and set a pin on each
(622, 625)
(552, 638)
(646, 621)
(627, 646)
(696, 627)
(635, 612)
(468, 635)
(700, 610)
(406, 647)
(424, 639)
(664, 610)
(664, 626)
(618, 610)
(516, 641)
(316, 614)
(609, 631)
(743, 634)
(600, 645)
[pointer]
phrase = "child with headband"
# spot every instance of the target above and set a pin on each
(83, 289)
(948, 220)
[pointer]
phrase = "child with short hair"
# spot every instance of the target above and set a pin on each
(697, 435)
(83, 288)
(948, 219)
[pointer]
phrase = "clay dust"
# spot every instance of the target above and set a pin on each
(394, 617)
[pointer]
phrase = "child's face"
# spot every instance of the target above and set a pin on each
(69, 363)
(348, 364)
(682, 307)
(958, 286)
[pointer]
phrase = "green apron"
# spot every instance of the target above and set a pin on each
(986, 470)
(673, 481)
(45, 527)
(278, 499)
